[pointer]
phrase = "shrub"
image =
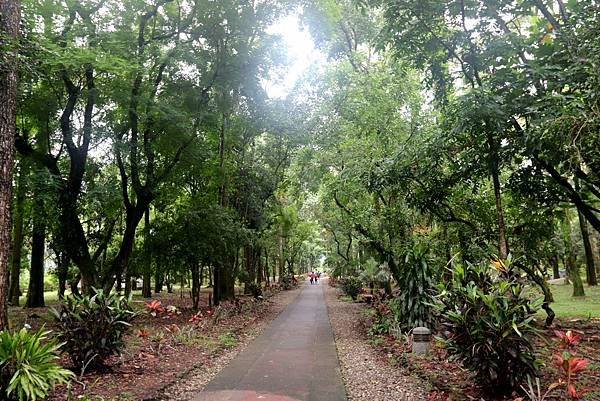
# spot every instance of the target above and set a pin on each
(289, 282)
(412, 306)
(254, 289)
(487, 319)
(92, 327)
(351, 286)
(28, 370)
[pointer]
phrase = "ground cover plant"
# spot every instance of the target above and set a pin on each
(29, 367)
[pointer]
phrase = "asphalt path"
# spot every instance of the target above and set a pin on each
(294, 359)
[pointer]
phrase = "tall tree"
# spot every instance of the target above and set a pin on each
(9, 35)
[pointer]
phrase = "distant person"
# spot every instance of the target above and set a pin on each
(316, 278)
(312, 277)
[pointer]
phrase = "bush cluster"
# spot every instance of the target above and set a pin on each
(92, 327)
(28, 368)
(487, 318)
(351, 286)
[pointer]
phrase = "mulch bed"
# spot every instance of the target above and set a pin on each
(446, 380)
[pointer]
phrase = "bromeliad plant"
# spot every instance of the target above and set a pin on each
(28, 365)
(93, 327)
(155, 309)
(487, 318)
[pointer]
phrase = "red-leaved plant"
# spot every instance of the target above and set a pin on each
(569, 366)
(154, 307)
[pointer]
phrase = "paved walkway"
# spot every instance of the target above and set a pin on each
(294, 359)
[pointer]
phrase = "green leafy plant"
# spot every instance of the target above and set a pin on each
(351, 286)
(254, 289)
(92, 327)
(488, 316)
(411, 308)
(227, 340)
(28, 368)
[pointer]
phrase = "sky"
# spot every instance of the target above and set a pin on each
(301, 53)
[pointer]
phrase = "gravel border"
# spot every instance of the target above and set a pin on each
(366, 375)
(195, 379)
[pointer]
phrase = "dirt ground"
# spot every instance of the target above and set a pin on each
(167, 355)
(445, 380)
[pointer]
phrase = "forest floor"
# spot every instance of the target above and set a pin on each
(161, 351)
(434, 377)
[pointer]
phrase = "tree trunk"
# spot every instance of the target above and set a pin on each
(146, 286)
(9, 35)
(554, 263)
(570, 260)
(159, 280)
(169, 282)
(133, 216)
(127, 284)
(249, 266)
(74, 285)
(281, 258)
(119, 284)
(589, 255)
(259, 266)
(503, 249)
(62, 270)
(195, 268)
(17, 248)
(35, 292)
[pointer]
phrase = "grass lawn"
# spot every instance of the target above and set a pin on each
(565, 305)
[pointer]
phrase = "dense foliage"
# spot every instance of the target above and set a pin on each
(351, 286)
(92, 328)
(431, 136)
(487, 317)
(29, 367)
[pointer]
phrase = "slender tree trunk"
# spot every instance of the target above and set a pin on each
(503, 250)
(169, 283)
(267, 275)
(249, 266)
(217, 271)
(35, 292)
(570, 260)
(17, 249)
(195, 268)
(147, 286)
(127, 284)
(554, 263)
(119, 284)
(159, 280)
(281, 257)
(589, 255)
(9, 35)
(74, 285)
(260, 269)
(62, 272)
